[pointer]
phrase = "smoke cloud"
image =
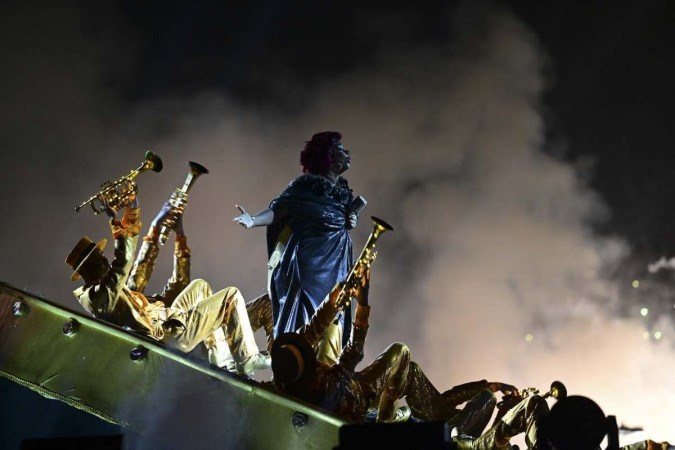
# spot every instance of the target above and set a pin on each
(661, 264)
(493, 270)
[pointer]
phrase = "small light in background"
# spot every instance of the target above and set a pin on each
(529, 338)
(657, 335)
(644, 312)
(635, 284)
(645, 335)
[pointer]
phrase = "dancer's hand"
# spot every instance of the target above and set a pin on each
(504, 388)
(361, 291)
(244, 219)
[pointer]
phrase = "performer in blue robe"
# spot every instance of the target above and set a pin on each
(308, 241)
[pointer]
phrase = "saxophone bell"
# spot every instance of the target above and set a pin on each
(178, 200)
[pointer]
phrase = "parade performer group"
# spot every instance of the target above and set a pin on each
(315, 313)
(186, 314)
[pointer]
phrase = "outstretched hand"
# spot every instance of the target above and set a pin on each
(244, 219)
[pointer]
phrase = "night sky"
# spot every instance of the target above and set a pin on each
(521, 150)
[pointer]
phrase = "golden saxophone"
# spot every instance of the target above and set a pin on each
(116, 193)
(178, 200)
(363, 263)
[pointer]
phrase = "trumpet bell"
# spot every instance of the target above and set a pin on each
(153, 161)
(364, 261)
(558, 390)
(178, 200)
(197, 169)
(379, 223)
(117, 193)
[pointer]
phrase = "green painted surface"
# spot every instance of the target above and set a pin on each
(167, 396)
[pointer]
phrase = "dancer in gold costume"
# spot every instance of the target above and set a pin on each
(574, 423)
(524, 417)
(146, 260)
(379, 386)
(186, 315)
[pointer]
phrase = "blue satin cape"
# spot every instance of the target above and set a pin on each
(318, 253)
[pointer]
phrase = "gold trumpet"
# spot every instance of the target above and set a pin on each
(117, 193)
(178, 200)
(363, 263)
(558, 391)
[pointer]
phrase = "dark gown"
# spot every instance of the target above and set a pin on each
(318, 253)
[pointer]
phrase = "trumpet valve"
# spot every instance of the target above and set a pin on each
(178, 200)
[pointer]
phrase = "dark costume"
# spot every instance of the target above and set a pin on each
(309, 247)
(379, 386)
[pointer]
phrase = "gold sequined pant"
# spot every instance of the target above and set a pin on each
(428, 404)
(522, 418)
(384, 380)
(202, 312)
(260, 314)
(393, 376)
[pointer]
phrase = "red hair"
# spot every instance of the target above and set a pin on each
(317, 157)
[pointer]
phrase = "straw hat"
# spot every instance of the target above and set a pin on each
(293, 360)
(81, 252)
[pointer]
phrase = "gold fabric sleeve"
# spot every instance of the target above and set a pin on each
(352, 354)
(361, 316)
(145, 261)
(464, 392)
(329, 347)
(129, 226)
(132, 221)
(181, 271)
(260, 315)
(320, 321)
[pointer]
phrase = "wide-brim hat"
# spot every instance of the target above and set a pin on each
(81, 252)
(293, 360)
